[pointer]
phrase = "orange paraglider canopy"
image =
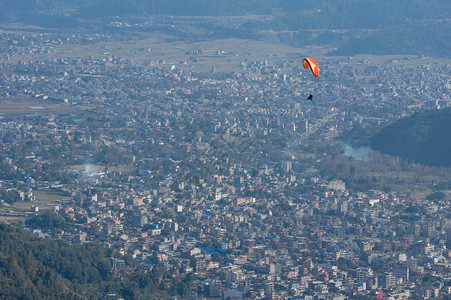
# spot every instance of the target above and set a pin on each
(312, 64)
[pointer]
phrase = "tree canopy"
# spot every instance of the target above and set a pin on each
(424, 137)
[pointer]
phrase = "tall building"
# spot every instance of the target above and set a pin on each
(448, 236)
(388, 280)
(402, 271)
(344, 206)
(287, 166)
(362, 274)
(214, 289)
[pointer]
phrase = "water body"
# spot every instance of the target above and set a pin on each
(359, 153)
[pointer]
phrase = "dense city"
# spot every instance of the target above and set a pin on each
(219, 174)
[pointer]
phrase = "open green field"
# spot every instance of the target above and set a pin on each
(179, 54)
(166, 51)
(13, 106)
(45, 199)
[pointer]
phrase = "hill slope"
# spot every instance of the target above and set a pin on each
(424, 137)
(34, 268)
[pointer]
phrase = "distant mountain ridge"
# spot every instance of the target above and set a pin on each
(425, 137)
(352, 26)
(311, 14)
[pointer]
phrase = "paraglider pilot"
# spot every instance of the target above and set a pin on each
(310, 97)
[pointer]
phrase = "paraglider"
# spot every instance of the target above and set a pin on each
(312, 64)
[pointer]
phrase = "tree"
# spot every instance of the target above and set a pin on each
(436, 197)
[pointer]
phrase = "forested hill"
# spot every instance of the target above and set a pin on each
(35, 268)
(424, 137)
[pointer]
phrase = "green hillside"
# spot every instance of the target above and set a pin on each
(412, 38)
(424, 137)
(35, 268)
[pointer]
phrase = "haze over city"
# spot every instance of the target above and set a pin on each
(271, 149)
